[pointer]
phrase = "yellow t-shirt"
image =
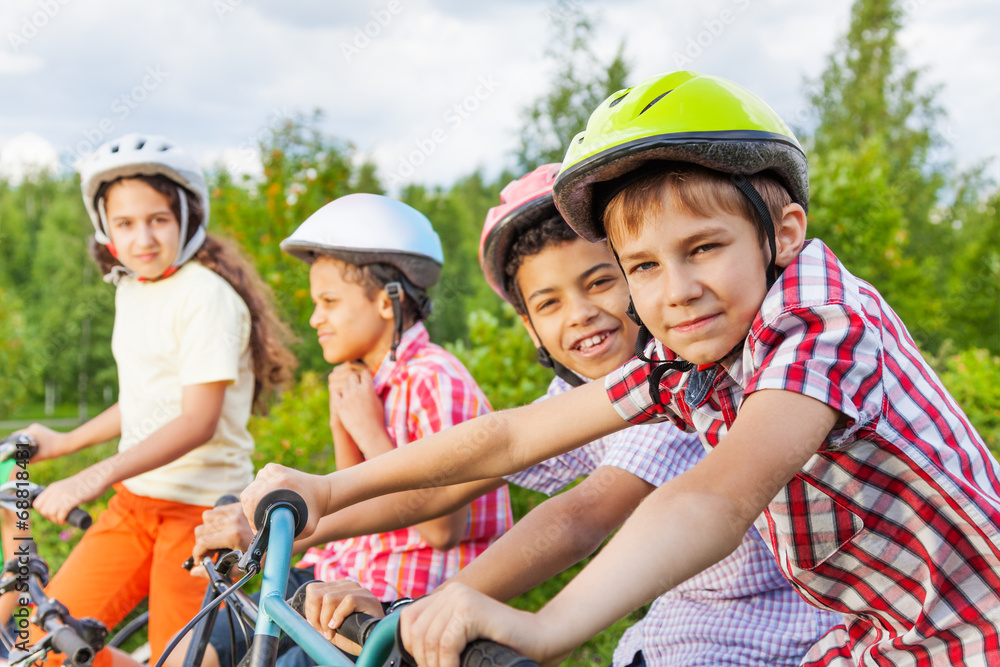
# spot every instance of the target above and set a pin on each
(191, 328)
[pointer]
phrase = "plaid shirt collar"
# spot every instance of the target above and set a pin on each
(412, 341)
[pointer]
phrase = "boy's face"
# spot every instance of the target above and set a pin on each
(576, 298)
(697, 283)
(350, 326)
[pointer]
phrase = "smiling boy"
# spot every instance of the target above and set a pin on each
(877, 496)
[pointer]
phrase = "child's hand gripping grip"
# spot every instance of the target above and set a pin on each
(287, 498)
(357, 626)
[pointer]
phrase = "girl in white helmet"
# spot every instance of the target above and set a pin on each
(197, 345)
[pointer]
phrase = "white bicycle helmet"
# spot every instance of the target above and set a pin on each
(365, 229)
(144, 155)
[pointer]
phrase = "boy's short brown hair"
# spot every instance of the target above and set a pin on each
(374, 277)
(692, 189)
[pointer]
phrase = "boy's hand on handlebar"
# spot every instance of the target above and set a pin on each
(329, 603)
(223, 527)
(313, 489)
(59, 498)
(436, 628)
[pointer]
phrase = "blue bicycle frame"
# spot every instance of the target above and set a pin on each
(275, 615)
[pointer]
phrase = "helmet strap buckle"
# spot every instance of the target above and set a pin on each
(394, 291)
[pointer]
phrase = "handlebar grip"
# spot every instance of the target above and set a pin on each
(357, 626)
(77, 652)
(79, 518)
(227, 499)
(288, 498)
(484, 653)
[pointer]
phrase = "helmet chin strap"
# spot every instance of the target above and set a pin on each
(546, 360)
(395, 291)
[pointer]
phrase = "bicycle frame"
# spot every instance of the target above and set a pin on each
(275, 615)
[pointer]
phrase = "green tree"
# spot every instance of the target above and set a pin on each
(579, 83)
(457, 214)
(874, 182)
(304, 169)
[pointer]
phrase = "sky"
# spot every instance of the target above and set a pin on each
(429, 89)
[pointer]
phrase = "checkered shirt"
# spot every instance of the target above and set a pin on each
(738, 612)
(424, 391)
(894, 522)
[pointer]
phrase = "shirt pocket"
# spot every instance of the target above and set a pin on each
(809, 526)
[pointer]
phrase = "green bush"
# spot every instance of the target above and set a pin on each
(296, 433)
(973, 378)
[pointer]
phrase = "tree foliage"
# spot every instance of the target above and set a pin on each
(580, 81)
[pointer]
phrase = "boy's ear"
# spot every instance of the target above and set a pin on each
(384, 304)
(531, 330)
(789, 234)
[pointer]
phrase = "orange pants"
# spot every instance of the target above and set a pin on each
(134, 550)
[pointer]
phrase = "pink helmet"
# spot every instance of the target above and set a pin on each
(523, 203)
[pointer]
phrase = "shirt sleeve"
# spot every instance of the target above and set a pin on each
(826, 352)
(655, 453)
(628, 390)
(555, 474)
(214, 332)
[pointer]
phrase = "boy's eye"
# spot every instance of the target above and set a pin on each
(545, 305)
(705, 247)
(642, 266)
(602, 282)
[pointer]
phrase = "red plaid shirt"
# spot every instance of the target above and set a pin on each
(424, 391)
(894, 522)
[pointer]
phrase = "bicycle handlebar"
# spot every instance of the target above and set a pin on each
(65, 640)
(10, 445)
(10, 495)
(358, 628)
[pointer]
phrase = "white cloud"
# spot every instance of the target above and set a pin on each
(25, 156)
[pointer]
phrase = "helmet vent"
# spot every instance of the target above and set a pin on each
(140, 144)
(114, 148)
(655, 100)
(615, 101)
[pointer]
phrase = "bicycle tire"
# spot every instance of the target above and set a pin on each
(133, 626)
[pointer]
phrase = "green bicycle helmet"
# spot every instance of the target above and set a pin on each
(680, 117)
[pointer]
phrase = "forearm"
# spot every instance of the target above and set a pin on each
(490, 446)
(176, 438)
(345, 451)
(101, 428)
(395, 511)
(667, 540)
(552, 537)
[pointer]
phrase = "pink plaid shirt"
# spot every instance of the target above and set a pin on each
(740, 612)
(894, 521)
(424, 391)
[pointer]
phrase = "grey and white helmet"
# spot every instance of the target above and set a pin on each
(144, 155)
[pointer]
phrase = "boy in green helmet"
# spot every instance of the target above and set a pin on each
(825, 425)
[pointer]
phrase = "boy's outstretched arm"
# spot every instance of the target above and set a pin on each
(557, 534)
(685, 526)
(493, 445)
